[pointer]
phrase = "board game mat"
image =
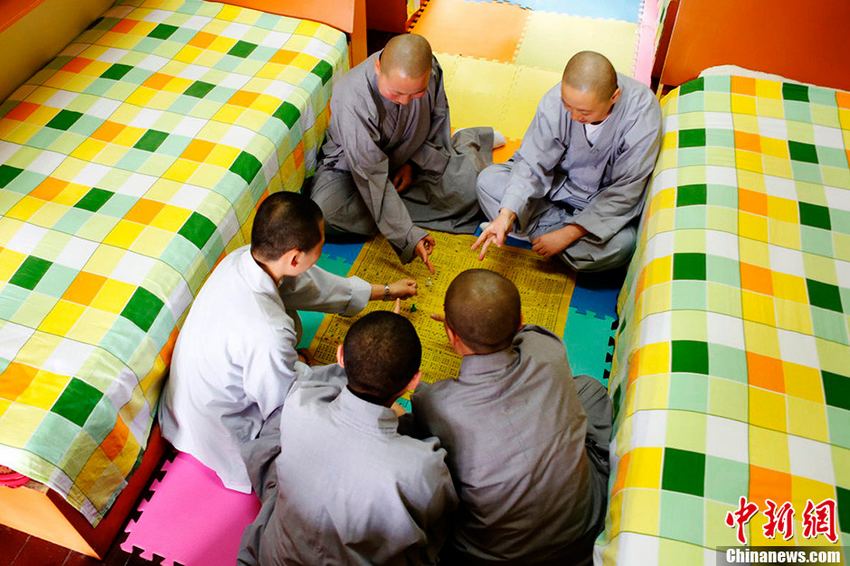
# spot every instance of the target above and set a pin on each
(545, 286)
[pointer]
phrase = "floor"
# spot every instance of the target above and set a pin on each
(21, 549)
(498, 60)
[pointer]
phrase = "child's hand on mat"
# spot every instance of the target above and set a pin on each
(397, 306)
(403, 288)
(424, 249)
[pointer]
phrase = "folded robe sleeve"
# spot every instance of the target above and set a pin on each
(369, 168)
(319, 290)
(621, 201)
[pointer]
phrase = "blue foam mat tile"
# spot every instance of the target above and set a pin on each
(335, 265)
(589, 343)
(596, 293)
(625, 10)
(310, 322)
(342, 250)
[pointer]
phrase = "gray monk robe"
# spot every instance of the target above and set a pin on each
(558, 177)
(347, 488)
(532, 488)
(369, 138)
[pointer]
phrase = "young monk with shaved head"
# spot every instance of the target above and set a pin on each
(575, 186)
(527, 444)
(389, 163)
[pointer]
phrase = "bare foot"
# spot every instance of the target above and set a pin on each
(554, 242)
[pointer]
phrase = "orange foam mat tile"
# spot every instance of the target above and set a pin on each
(506, 151)
(484, 30)
(549, 40)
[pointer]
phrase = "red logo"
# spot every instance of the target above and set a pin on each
(741, 517)
(817, 519)
(781, 519)
(820, 520)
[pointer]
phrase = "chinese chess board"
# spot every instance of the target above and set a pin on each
(545, 287)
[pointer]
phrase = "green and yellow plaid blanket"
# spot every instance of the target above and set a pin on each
(731, 375)
(128, 166)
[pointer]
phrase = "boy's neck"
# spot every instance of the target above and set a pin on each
(370, 399)
(471, 353)
(269, 269)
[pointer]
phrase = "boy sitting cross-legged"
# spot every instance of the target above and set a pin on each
(527, 444)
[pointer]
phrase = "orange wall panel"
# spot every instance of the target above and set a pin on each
(804, 41)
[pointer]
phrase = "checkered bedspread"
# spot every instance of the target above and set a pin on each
(731, 374)
(128, 166)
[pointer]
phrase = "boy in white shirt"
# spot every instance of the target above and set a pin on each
(235, 357)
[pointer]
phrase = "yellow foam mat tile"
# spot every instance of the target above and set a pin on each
(488, 93)
(449, 65)
(528, 88)
(477, 93)
(551, 39)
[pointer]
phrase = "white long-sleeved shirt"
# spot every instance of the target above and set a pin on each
(235, 357)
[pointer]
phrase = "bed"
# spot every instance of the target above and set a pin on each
(129, 165)
(731, 371)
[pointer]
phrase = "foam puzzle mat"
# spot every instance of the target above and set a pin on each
(546, 290)
(551, 39)
(627, 10)
(499, 58)
(189, 518)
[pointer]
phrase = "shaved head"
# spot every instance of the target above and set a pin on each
(591, 72)
(483, 309)
(409, 55)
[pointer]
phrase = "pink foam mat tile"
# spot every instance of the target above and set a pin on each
(190, 518)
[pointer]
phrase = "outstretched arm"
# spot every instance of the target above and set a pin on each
(369, 168)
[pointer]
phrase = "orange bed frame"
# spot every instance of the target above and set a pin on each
(803, 41)
(48, 516)
(347, 15)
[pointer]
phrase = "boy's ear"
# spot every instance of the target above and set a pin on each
(340, 359)
(296, 257)
(449, 332)
(455, 340)
(521, 320)
(414, 383)
(289, 259)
